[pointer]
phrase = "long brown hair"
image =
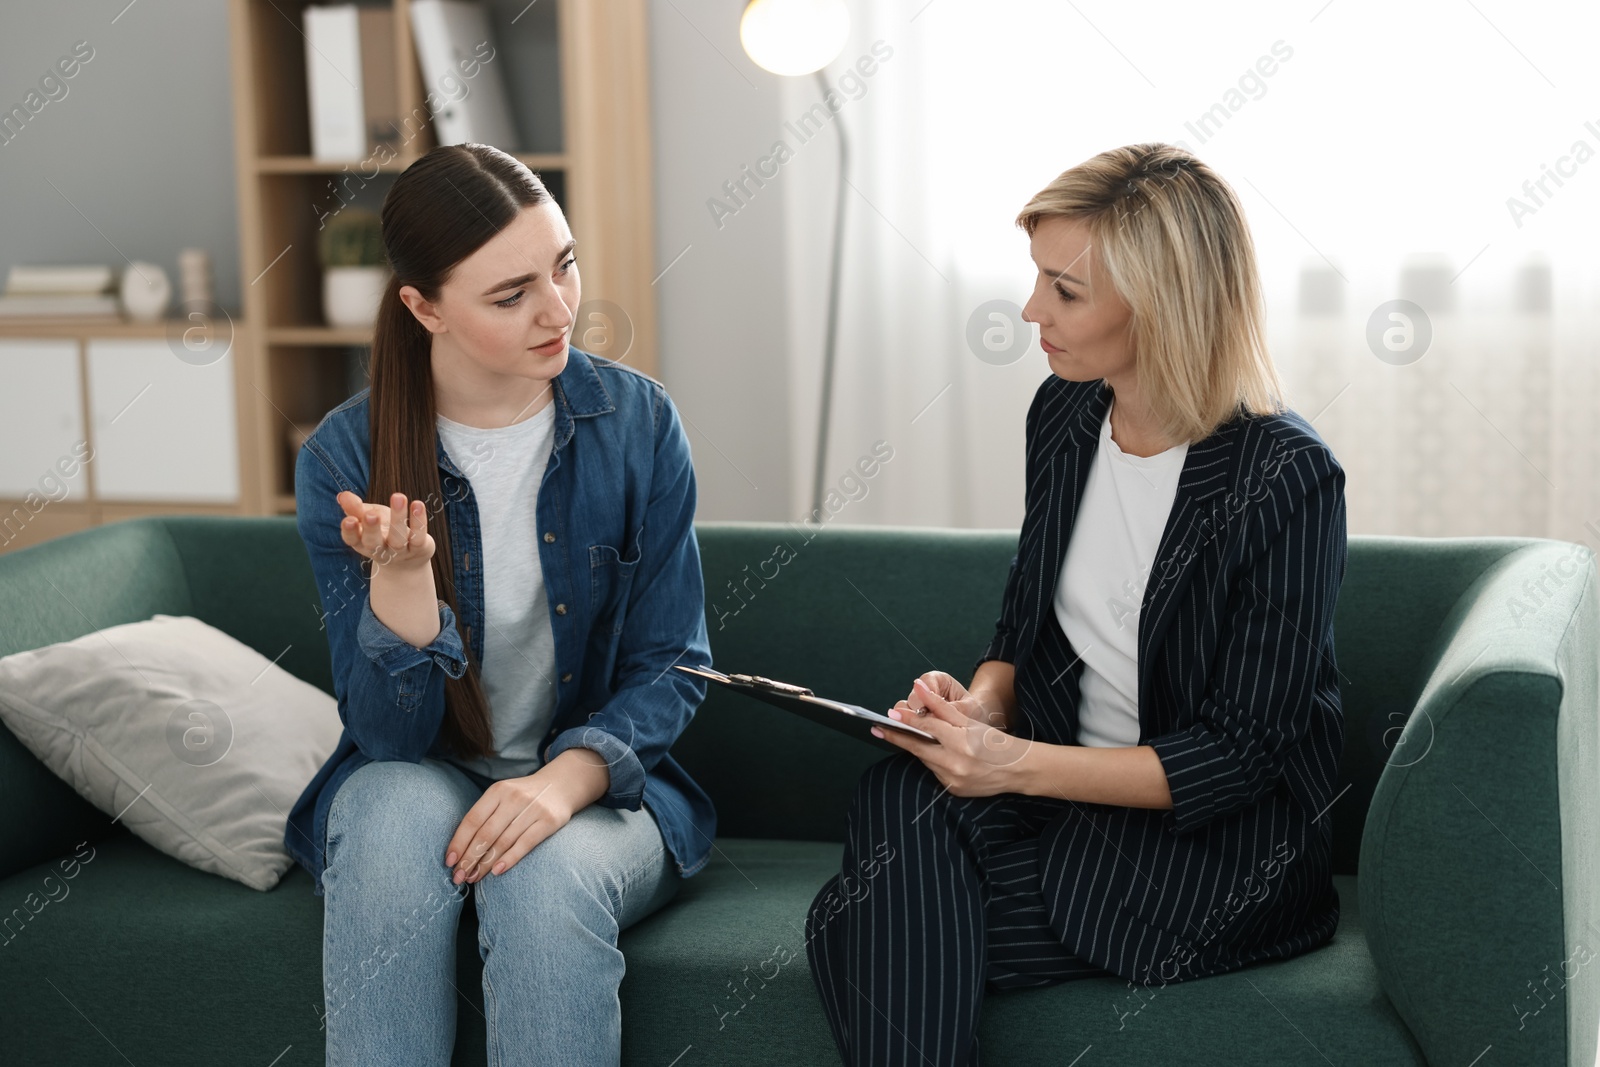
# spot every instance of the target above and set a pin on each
(440, 210)
(1175, 245)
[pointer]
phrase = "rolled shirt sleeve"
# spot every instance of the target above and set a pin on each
(390, 693)
(394, 654)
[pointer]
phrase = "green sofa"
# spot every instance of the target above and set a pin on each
(1465, 861)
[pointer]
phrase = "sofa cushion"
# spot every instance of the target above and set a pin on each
(692, 965)
(198, 743)
(136, 937)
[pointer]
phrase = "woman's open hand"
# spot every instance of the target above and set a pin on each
(371, 530)
(969, 757)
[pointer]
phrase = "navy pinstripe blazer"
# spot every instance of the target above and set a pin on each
(1238, 695)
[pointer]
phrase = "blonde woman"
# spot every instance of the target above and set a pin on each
(1137, 779)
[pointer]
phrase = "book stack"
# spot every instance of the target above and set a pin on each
(79, 293)
(351, 83)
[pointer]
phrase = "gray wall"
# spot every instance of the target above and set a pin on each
(136, 160)
(723, 312)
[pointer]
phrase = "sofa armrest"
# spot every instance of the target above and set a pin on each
(1478, 875)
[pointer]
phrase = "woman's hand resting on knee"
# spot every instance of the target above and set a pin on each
(968, 756)
(515, 814)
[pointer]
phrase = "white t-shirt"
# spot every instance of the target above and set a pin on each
(506, 466)
(1126, 502)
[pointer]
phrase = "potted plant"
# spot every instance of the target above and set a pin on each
(353, 268)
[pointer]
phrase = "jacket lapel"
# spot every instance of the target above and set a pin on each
(1207, 468)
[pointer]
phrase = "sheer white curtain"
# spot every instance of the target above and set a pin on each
(1376, 149)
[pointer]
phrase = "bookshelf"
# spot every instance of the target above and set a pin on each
(576, 73)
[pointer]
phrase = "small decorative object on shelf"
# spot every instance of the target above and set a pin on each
(353, 268)
(194, 277)
(64, 293)
(146, 292)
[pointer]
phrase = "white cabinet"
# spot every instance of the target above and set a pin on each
(41, 409)
(164, 429)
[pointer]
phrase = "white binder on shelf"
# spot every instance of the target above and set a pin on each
(333, 82)
(450, 35)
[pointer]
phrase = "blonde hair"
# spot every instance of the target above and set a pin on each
(1164, 224)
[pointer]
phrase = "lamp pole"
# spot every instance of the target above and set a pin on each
(831, 330)
(793, 37)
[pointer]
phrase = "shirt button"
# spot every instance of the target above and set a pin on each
(467, 561)
(561, 609)
(549, 538)
(567, 677)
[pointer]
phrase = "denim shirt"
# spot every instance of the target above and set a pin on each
(622, 575)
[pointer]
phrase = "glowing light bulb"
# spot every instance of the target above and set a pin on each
(794, 36)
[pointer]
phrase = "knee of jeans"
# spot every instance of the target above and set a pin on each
(394, 818)
(579, 859)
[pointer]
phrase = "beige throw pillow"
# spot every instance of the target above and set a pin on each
(195, 742)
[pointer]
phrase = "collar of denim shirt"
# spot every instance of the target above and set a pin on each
(579, 393)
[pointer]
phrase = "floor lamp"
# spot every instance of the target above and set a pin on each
(796, 37)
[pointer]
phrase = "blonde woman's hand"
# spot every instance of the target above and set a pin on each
(969, 757)
(945, 686)
(372, 530)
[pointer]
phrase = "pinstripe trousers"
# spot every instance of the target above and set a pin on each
(938, 896)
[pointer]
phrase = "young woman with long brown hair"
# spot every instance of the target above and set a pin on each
(501, 532)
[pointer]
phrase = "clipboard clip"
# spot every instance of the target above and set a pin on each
(767, 683)
(754, 681)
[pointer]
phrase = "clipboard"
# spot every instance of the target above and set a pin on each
(851, 719)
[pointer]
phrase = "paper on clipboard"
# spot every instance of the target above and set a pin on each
(835, 714)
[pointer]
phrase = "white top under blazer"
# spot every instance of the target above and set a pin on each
(1126, 502)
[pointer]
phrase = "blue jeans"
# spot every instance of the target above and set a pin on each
(547, 928)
